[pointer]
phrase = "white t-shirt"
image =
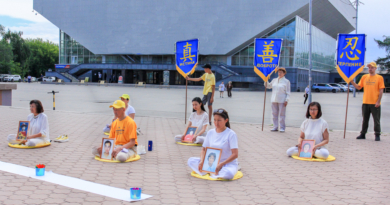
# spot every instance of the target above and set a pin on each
(307, 90)
(226, 140)
(199, 121)
(39, 124)
(221, 87)
(314, 129)
(129, 110)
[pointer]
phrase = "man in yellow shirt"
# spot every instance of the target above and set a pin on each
(373, 85)
(124, 130)
(209, 88)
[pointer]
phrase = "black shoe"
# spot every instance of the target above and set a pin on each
(361, 137)
(210, 123)
(377, 138)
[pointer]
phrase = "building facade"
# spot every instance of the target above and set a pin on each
(135, 39)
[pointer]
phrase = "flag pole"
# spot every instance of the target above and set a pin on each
(265, 96)
(346, 112)
(185, 115)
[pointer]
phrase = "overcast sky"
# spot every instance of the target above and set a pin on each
(17, 15)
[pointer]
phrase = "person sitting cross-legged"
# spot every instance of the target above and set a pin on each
(130, 111)
(313, 128)
(222, 137)
(200, 119)
(38, 132)
(124, 130)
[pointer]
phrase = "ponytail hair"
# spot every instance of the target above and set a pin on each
(197, 99)
(224, 114)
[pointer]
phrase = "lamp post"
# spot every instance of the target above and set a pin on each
(310, 46)
(356, 29)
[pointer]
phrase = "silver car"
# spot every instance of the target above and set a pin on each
(343, 88)
(318, 87)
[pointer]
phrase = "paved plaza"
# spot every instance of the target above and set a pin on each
(360, 174)
(169, 103)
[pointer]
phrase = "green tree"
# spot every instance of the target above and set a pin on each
(43, 55)
(20, 49)
(384, 62)
(7, 64)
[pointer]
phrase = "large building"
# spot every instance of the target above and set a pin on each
(135, 39)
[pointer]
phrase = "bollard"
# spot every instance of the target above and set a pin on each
(54, 98)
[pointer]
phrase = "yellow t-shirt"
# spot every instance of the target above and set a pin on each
(123, 131)
(371, 85)
(209, 80)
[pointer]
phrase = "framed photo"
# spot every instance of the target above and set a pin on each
(107, 148)
(306, 150)
(23, 130)
(211, 159)
(190, 132)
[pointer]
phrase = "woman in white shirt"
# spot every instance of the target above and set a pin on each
(280, 96)
(130, 111)
(307, 92)
(222, 137)
(38, 132)
(198, 118)
(314, 128)
(221, 89)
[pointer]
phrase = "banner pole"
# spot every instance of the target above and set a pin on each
(346, 112)
(185, 115)
(265, 96)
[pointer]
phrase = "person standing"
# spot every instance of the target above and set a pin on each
(100, 76)
(209, 87)
(280, 96)
(221, 89)
(229, 88)
(29, 78)
(307, 93)
(373, 85)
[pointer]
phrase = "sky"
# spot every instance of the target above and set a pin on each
(17, 15)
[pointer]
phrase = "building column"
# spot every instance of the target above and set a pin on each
(166, 77)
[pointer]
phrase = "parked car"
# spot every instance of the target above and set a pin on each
(2, 76)
(33, 79)
(343, 88)
(48, 79)
(318, 87)
(13, 78)
(345, 84)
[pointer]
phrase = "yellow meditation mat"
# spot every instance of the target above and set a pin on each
(116, 161)
(107, 133)
(238, 175)
(28, 147)
(189, 144)
(329, 159)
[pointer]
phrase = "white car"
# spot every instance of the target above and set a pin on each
(48, 79)
(13, 78)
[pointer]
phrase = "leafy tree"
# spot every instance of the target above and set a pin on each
(43, 55)
(20, 49)
(6, 57)
(384, 62)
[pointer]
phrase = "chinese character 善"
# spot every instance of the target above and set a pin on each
(268, 53)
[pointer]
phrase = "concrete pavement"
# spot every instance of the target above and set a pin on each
(243, 107)
(360, 174)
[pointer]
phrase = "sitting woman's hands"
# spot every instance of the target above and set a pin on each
(200, 166)
(182, 137)
(116, 151)
(218, 168)
(194, 138)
